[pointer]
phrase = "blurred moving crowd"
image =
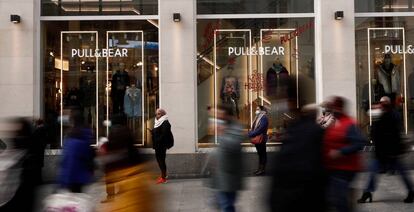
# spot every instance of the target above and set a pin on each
(126, 173)
(318, 160)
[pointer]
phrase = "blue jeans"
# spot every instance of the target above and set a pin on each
(394, 164)
(339, 190)
(226, 201)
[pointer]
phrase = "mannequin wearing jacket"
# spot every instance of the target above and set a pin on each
(133, 101)
(120, 80)
(230, 92)
(275, 76)
(389, 76)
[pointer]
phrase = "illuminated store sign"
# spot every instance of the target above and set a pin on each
(398, 49)
(99, 52)
(268, 51)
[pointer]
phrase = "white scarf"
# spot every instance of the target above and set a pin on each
(256, 122)
(158, 122)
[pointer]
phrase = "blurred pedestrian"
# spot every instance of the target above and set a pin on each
(327, 118)
(36, 151)
(258, 136)
(342, 143)
(162, 139)
(26, 182)
(77, 164)
(118, 147)
(227, 160)
(126, 175)
(299, 178)
(386, 134)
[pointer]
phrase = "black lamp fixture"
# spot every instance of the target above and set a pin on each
(339, 15)
(15, 19)
(176, 17)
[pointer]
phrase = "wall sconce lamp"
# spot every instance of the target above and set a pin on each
(176, 17)
(339, 15)
(15, 19)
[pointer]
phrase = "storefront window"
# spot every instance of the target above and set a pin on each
(102, 68)
(384, 66)
(99, 7)
(258, 6)
(383, 5)
(249, 62)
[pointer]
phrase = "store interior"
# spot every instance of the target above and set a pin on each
(246, 80)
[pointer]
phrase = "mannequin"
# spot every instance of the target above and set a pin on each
(230, 92)
(389, 76)
(133, 101)
(88, 88)
(277, 90)
(274, 77)
(133, 108)
(119, 82)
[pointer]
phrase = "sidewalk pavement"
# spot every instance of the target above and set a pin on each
(191, 195)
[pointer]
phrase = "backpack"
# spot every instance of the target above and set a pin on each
(170, 142)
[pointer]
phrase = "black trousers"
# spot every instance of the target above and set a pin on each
(261, 151)
(161, 154)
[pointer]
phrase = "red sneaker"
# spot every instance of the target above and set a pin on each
(161, 180)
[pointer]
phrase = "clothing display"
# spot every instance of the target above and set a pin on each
(133, 102)
(74, 98)
(230, 93)
(377, 91)
(119, 82)
(276, 76)
(389, 77)
(88, 89)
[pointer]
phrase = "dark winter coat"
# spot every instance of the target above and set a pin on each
(299, 176)
(228, 160)
(162, 137)
(77, 159)
(385, 133)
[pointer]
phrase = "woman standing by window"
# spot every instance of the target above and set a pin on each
(163, 139)
(258, 135)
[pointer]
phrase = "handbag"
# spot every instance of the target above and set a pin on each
(257, 139)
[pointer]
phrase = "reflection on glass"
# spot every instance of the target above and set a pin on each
(78, 77)
(231, 54)
(125, 77)
(382, 70)
(246, 63)
(122, 78)
(384, 6)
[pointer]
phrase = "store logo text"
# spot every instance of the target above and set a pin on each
(99, 52)
(398, 49)
(256, 51)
